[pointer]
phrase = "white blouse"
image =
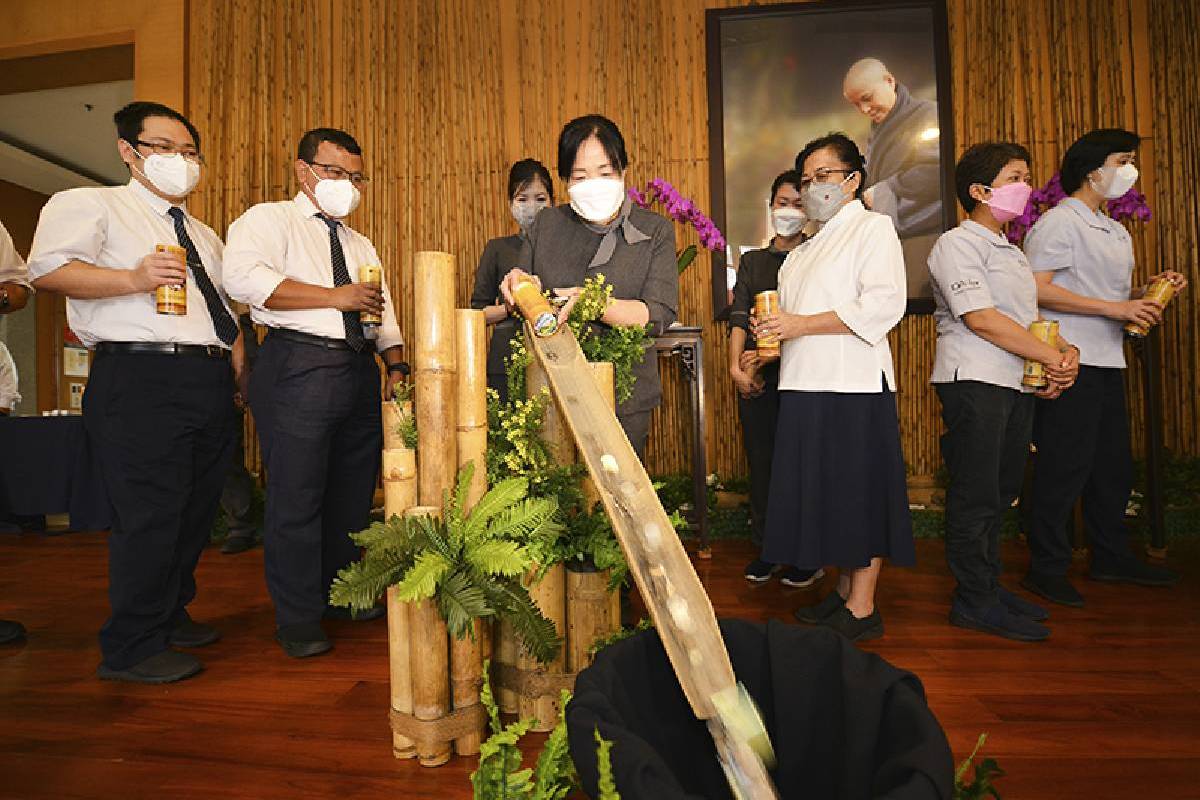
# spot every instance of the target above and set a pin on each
(854, 267)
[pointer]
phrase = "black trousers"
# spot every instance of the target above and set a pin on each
(985, 448)
(759, 416)
(637, 429)
(318, 415)
(237, 495)
(162, 427)
(1082, 443)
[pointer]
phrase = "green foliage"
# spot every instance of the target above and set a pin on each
(685, 258)
(516, 449)
(643, 624)
(468, 562)
(589, 540)
(606, 785)
(980, 786)
(623, 345)
(500, 775)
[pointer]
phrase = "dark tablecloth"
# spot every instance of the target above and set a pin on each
(47, 467)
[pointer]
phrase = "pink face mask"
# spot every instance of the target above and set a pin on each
(1008, 201)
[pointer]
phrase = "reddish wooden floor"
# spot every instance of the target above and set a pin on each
(1109, 708)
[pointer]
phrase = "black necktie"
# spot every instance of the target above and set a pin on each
(341, 276)
(223, 324)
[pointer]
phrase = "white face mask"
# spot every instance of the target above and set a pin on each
(336, 198)
(597, 199)
(172, 175)
(823, 200)
(524, 211)
(787, 221)
(1116, 181)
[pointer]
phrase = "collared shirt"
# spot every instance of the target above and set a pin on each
(971, 269)
(854, 266)
(10, 398)
(1091, 255)
(498, 259)
(272, 242)
(12, 266)
(114, 228)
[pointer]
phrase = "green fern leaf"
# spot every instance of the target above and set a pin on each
(554, 776)
(461, 602)
(453, 507)
(531, 518)
(512, 601)
(606, 784)
(360, 584)
(421, 581)
(498, 498)
(498, 558)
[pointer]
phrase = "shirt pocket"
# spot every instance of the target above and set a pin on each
(1014, 291)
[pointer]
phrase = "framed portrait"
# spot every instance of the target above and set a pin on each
(782, 75)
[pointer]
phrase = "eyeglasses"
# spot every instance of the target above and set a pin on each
(822, 176)
(334, 172)
(168, 148)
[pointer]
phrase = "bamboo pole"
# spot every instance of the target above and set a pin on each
(430, 664)
(506, 653)
(435, 367)
(589, 614)
(466, 654)
(549, 595)
(400, 494)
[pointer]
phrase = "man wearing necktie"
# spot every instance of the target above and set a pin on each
(315, 390)
(158, 408)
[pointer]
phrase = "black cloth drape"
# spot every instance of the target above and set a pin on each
(48, 467)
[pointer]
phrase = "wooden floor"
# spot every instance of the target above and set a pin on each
(1108, 708)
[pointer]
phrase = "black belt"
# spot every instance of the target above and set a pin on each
(287, 334)
(164, 348)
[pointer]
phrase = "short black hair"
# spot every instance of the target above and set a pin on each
(847, 152)
(579, 130)
(981, 163)
(1089, 152)
(309, 142)
(131, 120)
(524, 172)
(790, 176)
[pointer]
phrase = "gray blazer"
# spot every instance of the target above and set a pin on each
(558, 250)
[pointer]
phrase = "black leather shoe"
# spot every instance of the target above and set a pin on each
(813, 615)
(303, 641)
(1055, 588)
(1022, 607)
(341, 613)
(237, 544)
(11, 631)
(165, 667)
(193, 634)
(854, 628)
(1135, 572)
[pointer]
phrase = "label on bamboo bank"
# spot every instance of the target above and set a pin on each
(372, 273)
(1035, 372)
(766, 303)
(1161, 290)
(535, 307)
(172, 300)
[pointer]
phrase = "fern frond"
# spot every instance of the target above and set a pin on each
(498, 558)
(461, 602)
(512, 601)
(606, 784)
(360, 584)
(554, 776)
(390, 534)
(528, 519)
(497, 499)
(421, 580)
(453, 508)
(488, 699)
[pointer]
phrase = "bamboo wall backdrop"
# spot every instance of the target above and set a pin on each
(444, 95)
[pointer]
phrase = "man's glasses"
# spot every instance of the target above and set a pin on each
(334, 172)
(168, 148)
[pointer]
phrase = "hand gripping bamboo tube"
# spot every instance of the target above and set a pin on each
(430, 652)
(548, 595)
(435, 360)
(1160, 290)
(1035, 372)
(399, 494)
(535, 307)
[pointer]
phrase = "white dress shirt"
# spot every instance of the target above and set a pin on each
(114, 228)
(10, 398)
(971, 269)
(12, 266)
(1090, 254)
(289, 239)
(854, 267)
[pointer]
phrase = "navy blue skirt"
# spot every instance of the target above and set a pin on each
(839, 496)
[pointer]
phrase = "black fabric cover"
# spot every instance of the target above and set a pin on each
(845, 724)
(47, 466)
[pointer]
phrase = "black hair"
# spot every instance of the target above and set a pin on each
(579, 130)
(131, 120)
(1089, 152)
(791, 176)
(846, 151)
(525, 172)
(981, 163)
(309, 142)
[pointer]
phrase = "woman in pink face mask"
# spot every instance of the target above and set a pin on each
(986, 298)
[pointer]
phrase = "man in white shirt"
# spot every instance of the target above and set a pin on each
(14, 292)
(158, 408)
(315, 389)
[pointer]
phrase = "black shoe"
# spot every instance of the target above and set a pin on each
(342, 613)
(800, 578)
(999, 621)
(1022, 607)
(1055, 588)
(192, 634)
(11, 631)
(238, 544)
(165, 667)
(812, 615)
(1135, 572)
(854, 628)
(303, 641)
(759, 571)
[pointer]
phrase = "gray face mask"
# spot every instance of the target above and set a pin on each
(524, 212)
(822, 200)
